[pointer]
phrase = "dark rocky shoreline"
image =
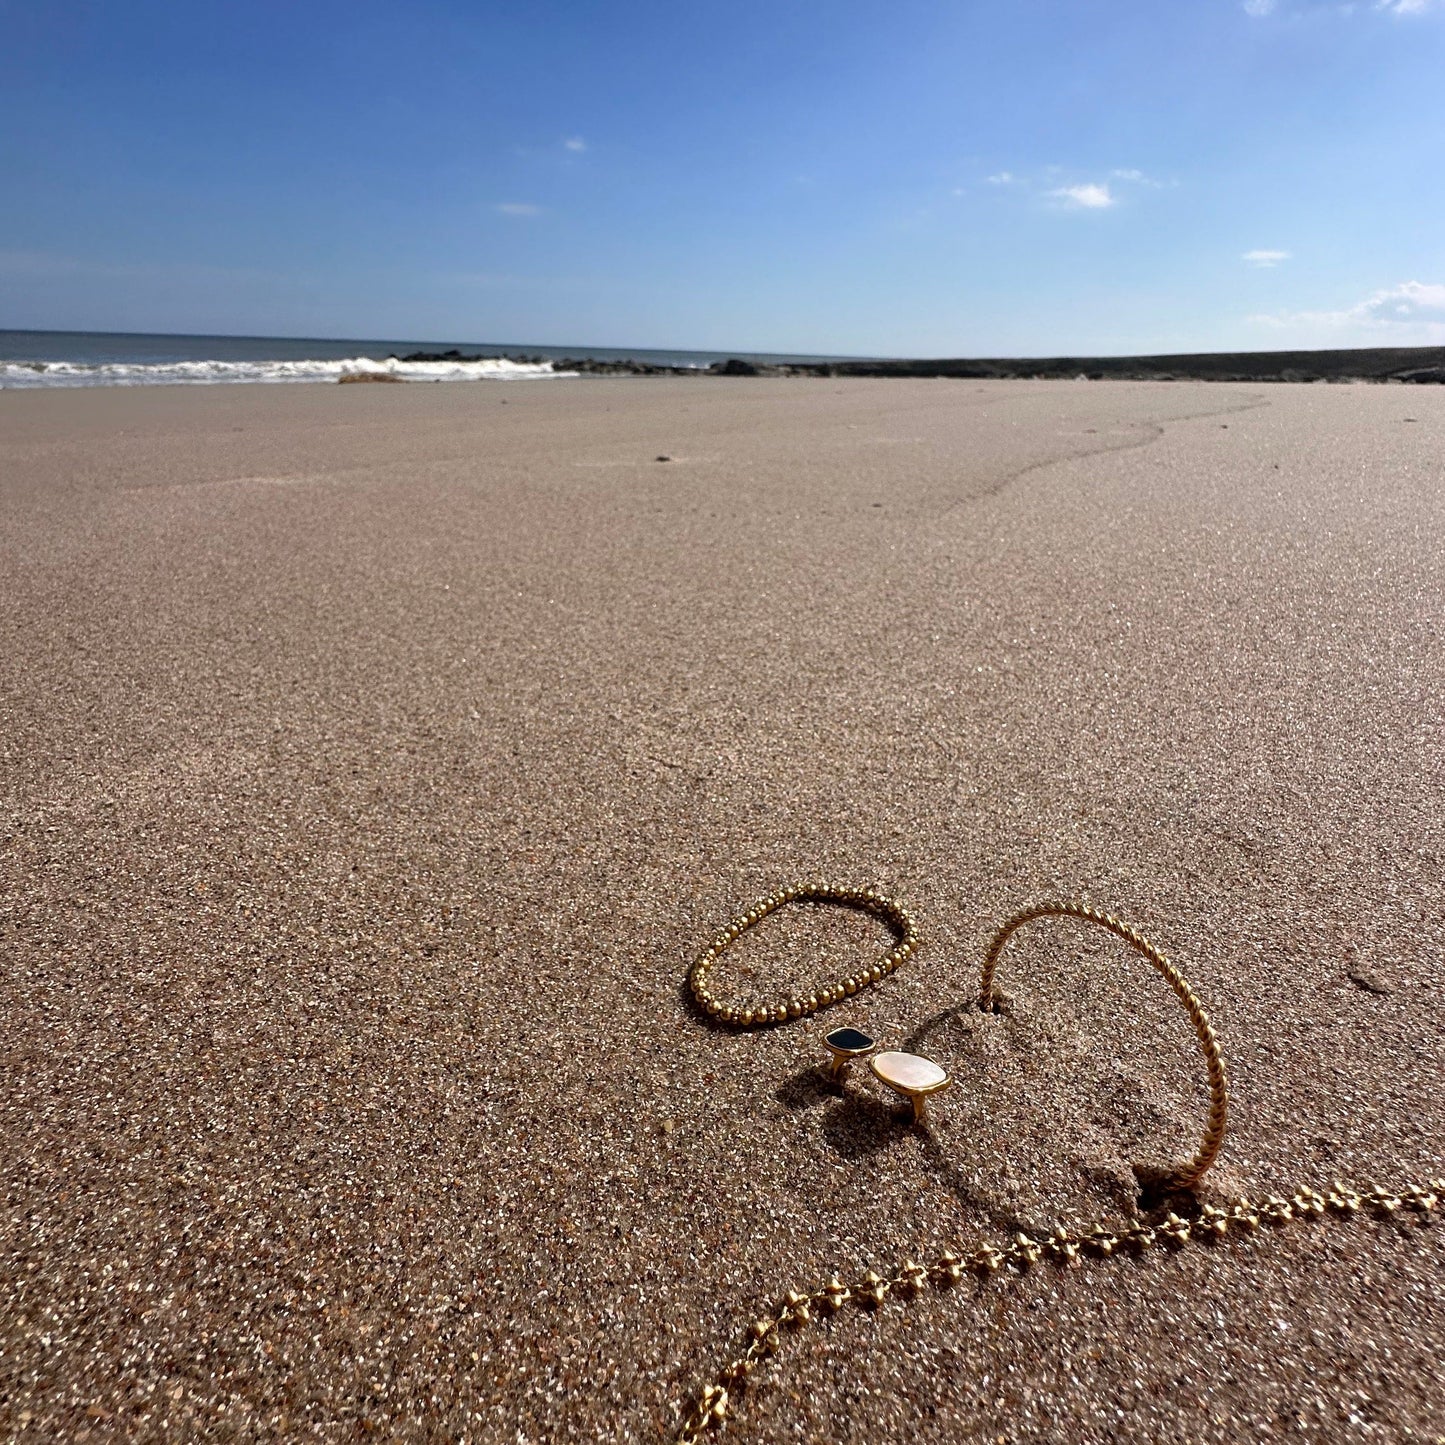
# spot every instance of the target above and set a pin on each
(1404, 364)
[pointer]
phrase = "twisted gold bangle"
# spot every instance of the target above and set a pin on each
(1191, 1173)
(752, 1012)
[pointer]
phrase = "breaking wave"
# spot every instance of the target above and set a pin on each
(214, 373)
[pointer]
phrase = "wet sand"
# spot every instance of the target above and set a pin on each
(375, 760)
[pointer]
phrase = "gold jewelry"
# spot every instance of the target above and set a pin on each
(911, 1075)
(1190, 1174)
(845, 1045)
(1064, 1247)
(751, 1013)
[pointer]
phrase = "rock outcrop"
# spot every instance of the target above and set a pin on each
(1417, 365)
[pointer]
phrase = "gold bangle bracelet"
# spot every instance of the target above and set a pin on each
(1191, 1173)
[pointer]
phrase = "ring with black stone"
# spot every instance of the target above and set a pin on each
(844, 1045)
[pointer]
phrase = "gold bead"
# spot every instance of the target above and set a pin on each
(875, 1288)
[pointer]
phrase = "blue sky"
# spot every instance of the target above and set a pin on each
(898, 177)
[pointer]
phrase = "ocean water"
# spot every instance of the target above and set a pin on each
(84, 358)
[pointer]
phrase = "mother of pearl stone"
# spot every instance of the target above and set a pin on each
(908, 1073)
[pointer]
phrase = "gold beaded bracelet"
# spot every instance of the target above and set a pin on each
(751, 1012)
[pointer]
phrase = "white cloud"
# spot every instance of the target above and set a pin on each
(518, 208)
(1265, 258)
(1410, 314)
(1260, 8)
(1138, 178)
(575, 143)
(1082, 195)
(1410, 301)
(1088, 197)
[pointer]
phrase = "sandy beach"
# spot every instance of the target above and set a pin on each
(374, 760)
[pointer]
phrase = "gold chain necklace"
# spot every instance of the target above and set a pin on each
(716, 1401)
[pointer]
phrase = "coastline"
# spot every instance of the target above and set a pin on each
(1416, 365)
(376, 761)
(41, 360)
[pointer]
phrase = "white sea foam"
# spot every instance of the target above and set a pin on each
(212, 373)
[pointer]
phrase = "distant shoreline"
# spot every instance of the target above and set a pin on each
(1401, 364)
(55, 359)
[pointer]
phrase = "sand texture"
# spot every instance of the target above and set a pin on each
(374, 760)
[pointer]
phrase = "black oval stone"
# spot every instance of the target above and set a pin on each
(849, 1041)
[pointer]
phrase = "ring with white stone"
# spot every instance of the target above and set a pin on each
(911, 1075)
